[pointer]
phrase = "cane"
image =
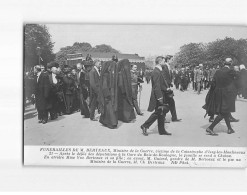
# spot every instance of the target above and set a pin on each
(139, 102)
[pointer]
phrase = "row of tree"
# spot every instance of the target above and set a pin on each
(38, 47)
(77, 47)
(211, 54)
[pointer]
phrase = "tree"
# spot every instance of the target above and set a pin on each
(77, 47)
(213, 53)
(190, 54)
(104, 49)
(219, 50)
(35, 36)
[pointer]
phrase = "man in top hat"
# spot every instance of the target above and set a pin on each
(157, 101)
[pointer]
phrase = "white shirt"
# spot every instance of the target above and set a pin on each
(54, 79)
(38, 74)
(97, 70)
(159, 67)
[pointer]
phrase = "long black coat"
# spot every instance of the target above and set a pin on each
(94, 79)
(126, 111)
(221, 96)
(243, 82)
(167, 74)
(42, 92)
(159, 87)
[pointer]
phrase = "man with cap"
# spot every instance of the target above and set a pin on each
(221, 97)
(41, 94)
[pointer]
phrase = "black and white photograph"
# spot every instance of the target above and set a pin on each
(123, 95)
(135, 85)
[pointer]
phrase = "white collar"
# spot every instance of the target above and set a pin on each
(96, 69)
(38, 74)
(226, 66)
(159, 67)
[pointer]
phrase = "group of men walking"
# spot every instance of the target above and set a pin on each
(200, 77)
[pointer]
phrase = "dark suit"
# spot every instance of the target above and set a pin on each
(220, 99)
(94, 80)
(159, 88)
(42, 92)
(83, 93)
(170, 100)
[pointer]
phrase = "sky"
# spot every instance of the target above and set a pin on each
(145, 40)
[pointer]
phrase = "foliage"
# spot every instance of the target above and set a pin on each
(35, 36)
(213, 53)
(77, 47)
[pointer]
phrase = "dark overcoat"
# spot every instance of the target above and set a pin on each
(159, 87)
(221, 97)
(42, 92)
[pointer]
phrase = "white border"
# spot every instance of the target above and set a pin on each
(14, 12)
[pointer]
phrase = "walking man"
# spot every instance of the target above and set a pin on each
(157, 99)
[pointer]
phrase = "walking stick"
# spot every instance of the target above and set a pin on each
(139, 102)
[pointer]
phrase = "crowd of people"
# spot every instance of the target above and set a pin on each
(112, 89)
(200, 78)
(224, 82)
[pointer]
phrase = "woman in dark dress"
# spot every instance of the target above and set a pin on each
(108, 105)
(243, 81)
(126, 111)
(69, 90)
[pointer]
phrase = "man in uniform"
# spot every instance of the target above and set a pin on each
(157, 99)
(135, 84)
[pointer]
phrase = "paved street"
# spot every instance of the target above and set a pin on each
(74, 130)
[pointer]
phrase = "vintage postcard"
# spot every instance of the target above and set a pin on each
(135, 95)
